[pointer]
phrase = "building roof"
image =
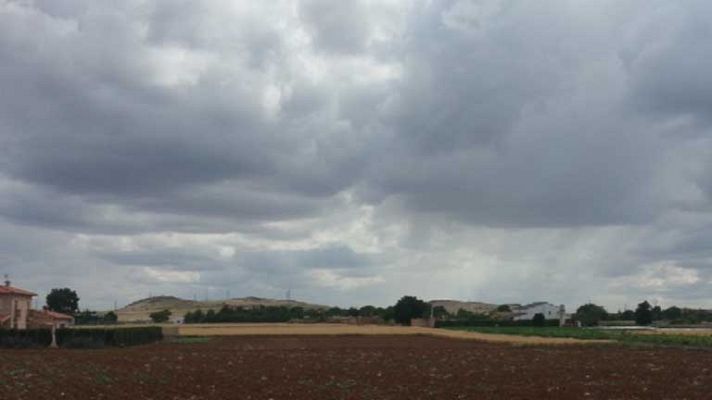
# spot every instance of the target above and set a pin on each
(4, 318)
(16, 291)
(56, 315)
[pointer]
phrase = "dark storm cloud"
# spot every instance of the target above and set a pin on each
(494, 126)
(454, 139)
(668, 65)
(90, 119)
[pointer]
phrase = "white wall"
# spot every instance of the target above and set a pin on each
(550, 311)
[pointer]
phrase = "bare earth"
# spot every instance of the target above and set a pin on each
(355, 367)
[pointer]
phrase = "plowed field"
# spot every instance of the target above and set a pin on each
(356, 367)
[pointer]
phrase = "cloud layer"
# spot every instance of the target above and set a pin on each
(356, 151)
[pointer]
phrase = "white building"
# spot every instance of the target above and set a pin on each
(527, 312)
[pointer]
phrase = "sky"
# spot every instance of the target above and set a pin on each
(357, 151)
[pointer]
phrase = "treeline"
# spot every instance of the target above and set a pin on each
(87, 317)
(406, 309)
(282, 314)
(644, 314)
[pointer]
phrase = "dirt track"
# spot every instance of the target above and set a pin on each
(356, 367)
(341, 329)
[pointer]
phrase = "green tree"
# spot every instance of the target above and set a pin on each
(367, 311)
(160, 316)
(504, 308)
(672, 313)
(110, 318)
(63, 301)
(591, 314)
(539, 320)
(407, 308)
(643, 314)
(440, 312)
(657, 313)
(628, 315)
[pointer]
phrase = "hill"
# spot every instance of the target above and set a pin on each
(140, 310)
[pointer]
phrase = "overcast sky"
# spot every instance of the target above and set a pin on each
(357, 151)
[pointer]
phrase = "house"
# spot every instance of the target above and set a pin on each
(548, 310)
(16, 311)
(47, 318)
(14, 306)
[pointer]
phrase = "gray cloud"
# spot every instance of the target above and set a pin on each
(356, 151)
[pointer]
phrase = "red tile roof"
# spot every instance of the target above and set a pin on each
(4, 318)
(14, 290)
(56, 315)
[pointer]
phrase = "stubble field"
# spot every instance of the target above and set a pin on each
(368, 330)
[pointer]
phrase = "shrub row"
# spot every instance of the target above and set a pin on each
(81, 338)
(487, 322)
(100, 337)
(20, 339)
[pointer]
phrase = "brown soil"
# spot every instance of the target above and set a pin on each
(356, 367)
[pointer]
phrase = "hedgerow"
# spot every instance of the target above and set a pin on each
(109, 336)
(81, 338)
(14, 338)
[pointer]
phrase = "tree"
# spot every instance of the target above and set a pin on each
(643, 314)
(628, 315)
(63, 301)
(367, 311)
(110, 317)
(407, 308)
(672, 313)
(464, 314)
(591, 314)
(160, 316)
(195, 317)
(539, 320)
(656, 313)
(440, 312)
(504, 308)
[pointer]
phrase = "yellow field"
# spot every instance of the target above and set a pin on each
(342, 329)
